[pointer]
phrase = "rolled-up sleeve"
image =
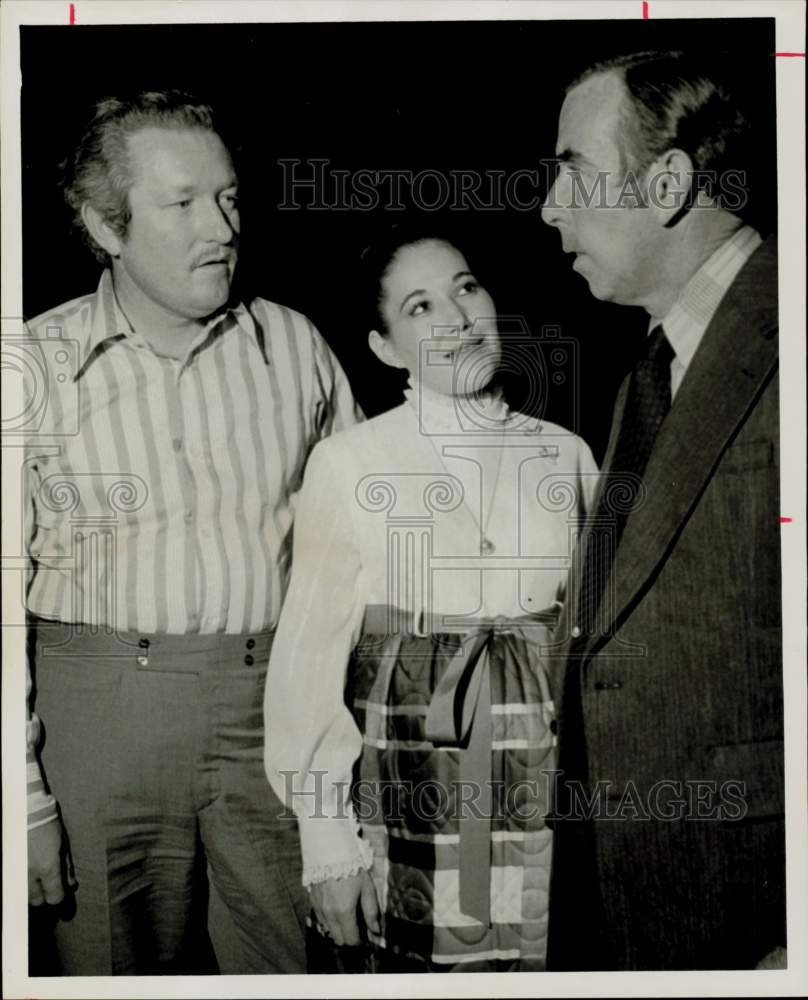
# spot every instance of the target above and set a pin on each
(41, 804)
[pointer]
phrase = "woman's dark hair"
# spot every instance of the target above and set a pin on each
(98, 170)
(376, 259)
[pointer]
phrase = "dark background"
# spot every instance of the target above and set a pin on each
(444, 96)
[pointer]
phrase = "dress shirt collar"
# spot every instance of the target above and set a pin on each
(690, 315)
(108, 322)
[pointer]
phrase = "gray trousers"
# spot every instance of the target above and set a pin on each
(153, 746)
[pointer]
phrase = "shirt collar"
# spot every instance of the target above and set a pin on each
(108, 322)
(690, 315)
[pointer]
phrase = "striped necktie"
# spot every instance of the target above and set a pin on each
(647, 404)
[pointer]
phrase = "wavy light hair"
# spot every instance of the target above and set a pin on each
(98, 172)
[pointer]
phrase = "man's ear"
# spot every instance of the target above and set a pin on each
(384, 350)
(671, 186)
(100, 230)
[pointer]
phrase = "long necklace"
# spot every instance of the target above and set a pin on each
(487, 497)
(420, 397)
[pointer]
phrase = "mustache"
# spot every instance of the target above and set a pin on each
(215, 257)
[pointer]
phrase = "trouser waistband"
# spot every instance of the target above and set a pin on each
(192, 652)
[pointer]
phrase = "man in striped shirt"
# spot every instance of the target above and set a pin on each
(172, 432)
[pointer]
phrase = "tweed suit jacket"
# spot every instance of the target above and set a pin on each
(670, 714)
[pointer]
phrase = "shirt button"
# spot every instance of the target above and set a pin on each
(189, 515)
(177, 443)
(576, 632)
(249, 660)
(143, 661)
(251, 644)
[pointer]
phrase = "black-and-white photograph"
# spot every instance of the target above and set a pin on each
(399, 544)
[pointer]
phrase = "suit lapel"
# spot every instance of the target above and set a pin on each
(732, 364)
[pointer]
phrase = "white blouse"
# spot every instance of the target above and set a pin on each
(395, 511)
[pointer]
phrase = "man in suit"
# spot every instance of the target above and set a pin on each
(669, 814)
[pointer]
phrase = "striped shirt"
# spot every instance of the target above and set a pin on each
(690, 315)
(161, 491)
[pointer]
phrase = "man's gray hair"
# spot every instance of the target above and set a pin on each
(675, 101)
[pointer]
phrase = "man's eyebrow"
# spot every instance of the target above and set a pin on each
(180, 188)
(567, 155)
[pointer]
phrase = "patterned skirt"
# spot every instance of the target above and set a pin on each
(452, 789)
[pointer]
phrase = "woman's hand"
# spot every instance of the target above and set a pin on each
(335, 903)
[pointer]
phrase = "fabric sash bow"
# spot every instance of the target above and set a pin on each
(459, 715)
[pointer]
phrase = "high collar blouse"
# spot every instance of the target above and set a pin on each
(396, 511)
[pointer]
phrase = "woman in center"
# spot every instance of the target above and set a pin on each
(409, 719)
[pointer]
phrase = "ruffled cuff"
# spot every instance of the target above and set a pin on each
(333, 847)
(337, 869)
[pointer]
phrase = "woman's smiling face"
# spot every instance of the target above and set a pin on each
(441, 323)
